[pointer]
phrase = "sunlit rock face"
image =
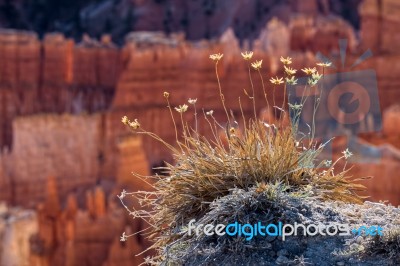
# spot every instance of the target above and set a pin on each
(53, 75)
(16, 228)
(379, 24)
(44, 145)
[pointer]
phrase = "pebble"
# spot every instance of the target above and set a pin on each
(351, 220)
(282, 252)
(267, 245)
(355, 246)
(270, 238)
(359, 240)
(340, 263)
(375, 203)
(282, 260)
(380, 211)
(272, 253)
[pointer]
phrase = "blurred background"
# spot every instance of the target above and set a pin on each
(69, 70)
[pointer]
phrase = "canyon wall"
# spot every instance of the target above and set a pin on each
(62, 146)
(53, 75)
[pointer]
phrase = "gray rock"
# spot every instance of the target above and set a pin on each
(359, 240)
(380, 211)
(270, 238)
(272, 253)
(354, 247)
(319, 250)
(282, 252)
(282, 260)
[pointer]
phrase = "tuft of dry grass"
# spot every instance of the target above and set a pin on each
(258, 155)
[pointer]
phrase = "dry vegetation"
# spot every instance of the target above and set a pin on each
(268, 160)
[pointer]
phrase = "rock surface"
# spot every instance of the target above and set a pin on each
(324, 250)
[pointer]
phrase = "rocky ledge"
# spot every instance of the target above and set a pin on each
(251, 207)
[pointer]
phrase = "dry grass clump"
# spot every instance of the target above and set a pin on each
(204, 172)
(255, 155)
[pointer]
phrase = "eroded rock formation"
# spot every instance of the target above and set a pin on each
(53, 75)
